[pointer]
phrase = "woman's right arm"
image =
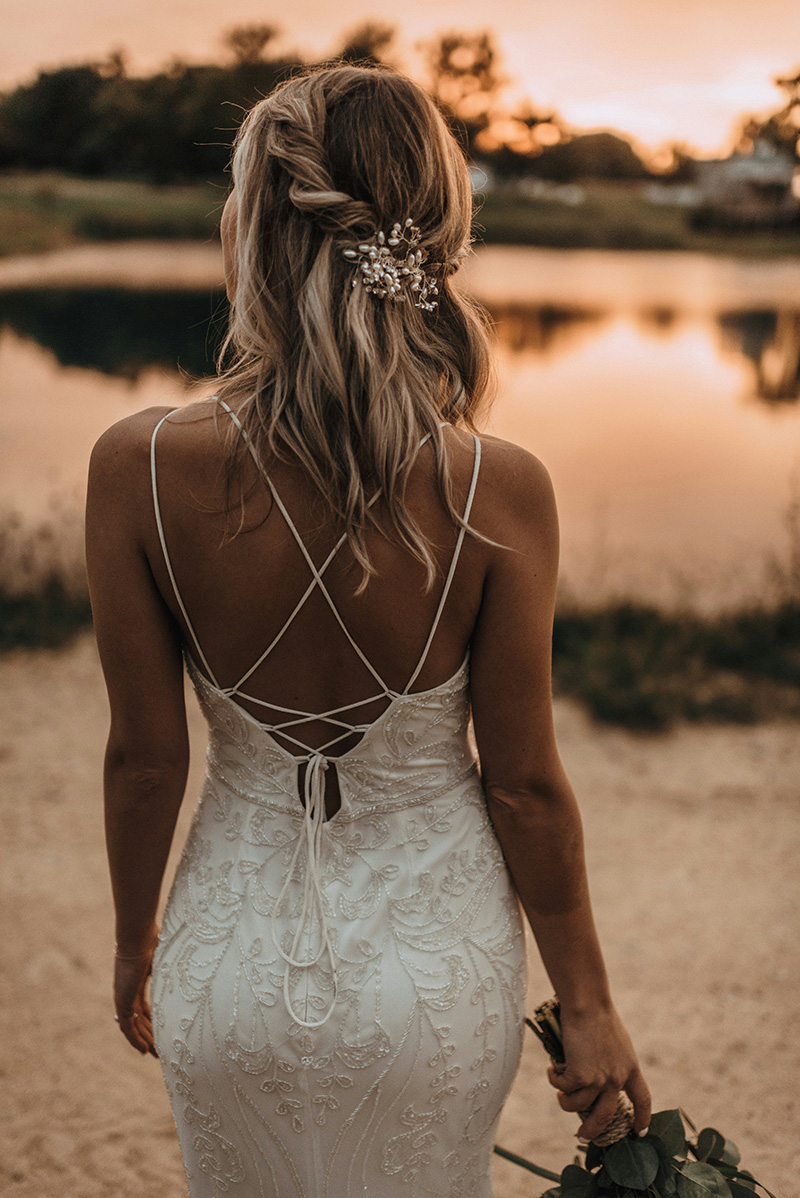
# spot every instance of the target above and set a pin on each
(529, 798)
(147, 754)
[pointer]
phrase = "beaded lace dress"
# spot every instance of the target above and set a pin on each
(338, 1002)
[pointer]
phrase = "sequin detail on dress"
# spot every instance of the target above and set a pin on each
(338, 1003)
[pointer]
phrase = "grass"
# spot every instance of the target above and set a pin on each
(49, 211)
(633, 665)
(615, 216)
(44, 600)
(45, 618)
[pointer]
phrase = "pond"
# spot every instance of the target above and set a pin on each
(661, 390)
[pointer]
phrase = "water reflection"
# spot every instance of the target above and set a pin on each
(546, 329)
(672, 483)
(659, 321)
(771, 342)
(121, 333)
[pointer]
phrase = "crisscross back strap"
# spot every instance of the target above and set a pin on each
(162, 538)
(317, 579)
(300, 603)
(453, 563)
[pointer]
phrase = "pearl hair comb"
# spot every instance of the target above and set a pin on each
(390, 266)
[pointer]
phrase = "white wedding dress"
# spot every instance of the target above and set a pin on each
(338, 1003)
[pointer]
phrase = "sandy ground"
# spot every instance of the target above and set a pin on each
(693, 855)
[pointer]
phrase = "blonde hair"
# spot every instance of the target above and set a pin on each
(322, 371)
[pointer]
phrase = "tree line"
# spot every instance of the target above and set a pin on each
(98, 120)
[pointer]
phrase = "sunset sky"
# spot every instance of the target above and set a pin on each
(656, 69)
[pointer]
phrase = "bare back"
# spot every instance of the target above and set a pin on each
(239, 591)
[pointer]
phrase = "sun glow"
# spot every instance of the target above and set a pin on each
(667, 70)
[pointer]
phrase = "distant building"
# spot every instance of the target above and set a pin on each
(748, 190)
(677, 195)
(544, 189)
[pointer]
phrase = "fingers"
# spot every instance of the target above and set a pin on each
(567, 1079)
(600, 1115)
(576, 1093)
(138, 1031)
(136, 1024)
(133, 1009)
(127, 1025)
(639, 1094)
(579, 1100)
(598, 1104)
(600, 1064)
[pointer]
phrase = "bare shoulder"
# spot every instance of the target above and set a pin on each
(119, 488)
(516, 488)
(124, 443)
(123, 448)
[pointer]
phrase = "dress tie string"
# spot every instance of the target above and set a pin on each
(309, 846)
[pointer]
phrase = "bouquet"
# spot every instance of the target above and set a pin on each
(669, 1162)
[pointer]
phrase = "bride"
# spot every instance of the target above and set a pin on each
(350, 575)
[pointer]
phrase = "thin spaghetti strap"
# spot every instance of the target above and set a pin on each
(325, 592)
(251, 447)
(317, 574)
(452, 570)
(316, 580)
(167, 562)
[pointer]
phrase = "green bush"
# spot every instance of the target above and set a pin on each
(45, 618)
(634, 665)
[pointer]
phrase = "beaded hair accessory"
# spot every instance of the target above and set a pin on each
(390, 266)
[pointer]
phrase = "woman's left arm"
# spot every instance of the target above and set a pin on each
(147, 755)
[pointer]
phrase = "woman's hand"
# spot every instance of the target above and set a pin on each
(132, 1007)
(600, 1062)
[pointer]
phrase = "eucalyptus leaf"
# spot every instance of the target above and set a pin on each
(594, 1187)
(632, 1163)
(574, 1175)
(712, 1146)
(745, 1178)
(696, 1179)
(710, 1142)
(575, 1182)
(594, 1156)
(741, 1189)
(725, 1169)
(665, 1178)
(668, 1126)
